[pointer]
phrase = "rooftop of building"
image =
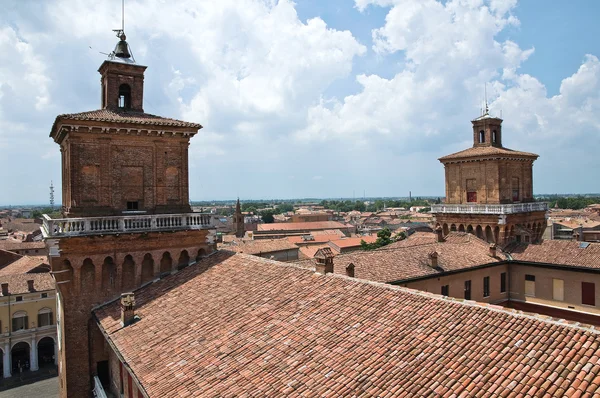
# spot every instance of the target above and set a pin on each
(260, 246)
(12, 245)
(235, 325)
(302, 226)
(17, 283)
(487, 151)
(559, 252)
(26, 264)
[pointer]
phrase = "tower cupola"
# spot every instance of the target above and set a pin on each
(487, 130)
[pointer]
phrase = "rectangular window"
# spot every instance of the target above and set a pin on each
(19, 323)
(515, 189)
(588, 293)
(558, 289)
(44, 295)
(467, 290)
(503, 282)
(445, 290)
(530, 285)
(132, 205)
(471, 190)
(45, 319)
(486, 286)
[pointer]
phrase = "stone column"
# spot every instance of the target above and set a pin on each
(33, 356)
(6, 361)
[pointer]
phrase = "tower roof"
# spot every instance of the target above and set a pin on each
(487, 152)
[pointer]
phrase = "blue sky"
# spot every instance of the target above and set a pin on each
(313, 98)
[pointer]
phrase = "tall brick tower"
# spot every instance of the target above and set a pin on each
(238, 220)
(489, 189)
(127, 219)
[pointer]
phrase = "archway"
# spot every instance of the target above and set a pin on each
(470, 229)
(479, 232)
(512, 232)
(46, 354)
(497, 234)
(445, 229)
(184, 259)
(20, 358)
(88, 275)
(109, 274)
(147, 268)
(128, 274)
(489, 237)
(453, 227)
(166, 262)
(461, 228)
(201, 253)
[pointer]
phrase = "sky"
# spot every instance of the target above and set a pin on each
(313, 98)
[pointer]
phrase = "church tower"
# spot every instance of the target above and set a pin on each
(238, 221)
(489, 189)
(126, 215)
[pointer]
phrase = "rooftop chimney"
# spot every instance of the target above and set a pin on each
(440, 234)
(433, 259)
(5, 289)
(324, 259)
(30, 285)
(493, 250)
(127, 308)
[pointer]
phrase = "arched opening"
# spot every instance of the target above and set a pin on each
(350, 270)
(20, 321)
(46, 353)
(128, 274)
(470, 229)
(479, 232)
(166, 262)
(453, 227)
(147, 268)
(489, 237)
(445, 229)
(201, 253)
(184, 260)
(481, 136)
(461, 228)
(20, 358)
(494, 137)
(88, 275)
(124, 96)
(45, 317)
(109, 274)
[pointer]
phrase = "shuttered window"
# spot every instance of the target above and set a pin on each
(588, 293)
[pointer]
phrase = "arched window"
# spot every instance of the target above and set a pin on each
(45, 317)
(124, 96)
(481, 137)
(494, 137)
(350, 270)
(20, 321)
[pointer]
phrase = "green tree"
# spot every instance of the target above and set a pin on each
(267, 216)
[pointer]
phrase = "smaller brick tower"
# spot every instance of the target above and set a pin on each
(489, 189)
(238, 221)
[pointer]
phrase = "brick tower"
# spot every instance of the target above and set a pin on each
(238, 221)
(489, 189)
(127, 219)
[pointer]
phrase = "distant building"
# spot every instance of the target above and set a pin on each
(282, 230)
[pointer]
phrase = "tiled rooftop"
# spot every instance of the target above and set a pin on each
(25, 264)
(12, 245)
(487, 151)
(239, 325)
(302, 226)
(573, 253)
(17, 283)
(260, 246)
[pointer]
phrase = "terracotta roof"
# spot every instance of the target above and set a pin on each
(313, 238)
(579, 254)
(308, 252)
(12, 245)
(25, 264)
(352, 242)
(301, 226)
(239, 325)
(487, 151)
(8, 257)
(260, 246)
(121, 116)
(17, 283)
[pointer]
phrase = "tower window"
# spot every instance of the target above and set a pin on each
(124, 96)
(494, 137)
(471, 190)
(481, 137)
(132, 205)
(515, 189)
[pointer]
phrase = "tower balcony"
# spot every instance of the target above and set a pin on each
(84, 226)
(505, 209)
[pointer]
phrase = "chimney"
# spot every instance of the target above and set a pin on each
(324, 259)
(5, 289)
(440, 234)
(127, 308)
(493, 250)
(30, 285)
(433, 259)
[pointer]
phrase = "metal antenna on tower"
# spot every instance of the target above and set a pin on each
(485, 94)
(51, 194)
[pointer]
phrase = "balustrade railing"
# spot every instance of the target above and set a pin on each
(120, 224)
(491, 209)
(98, 389)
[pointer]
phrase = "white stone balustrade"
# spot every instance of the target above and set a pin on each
(58, 227)
(490, 209)
(98, 389)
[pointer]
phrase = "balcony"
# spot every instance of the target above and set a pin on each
(64, 227)
(491, 209)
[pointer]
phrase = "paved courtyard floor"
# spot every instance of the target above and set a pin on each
(42, 389)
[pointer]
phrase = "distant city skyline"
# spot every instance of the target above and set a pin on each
(313, 99)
